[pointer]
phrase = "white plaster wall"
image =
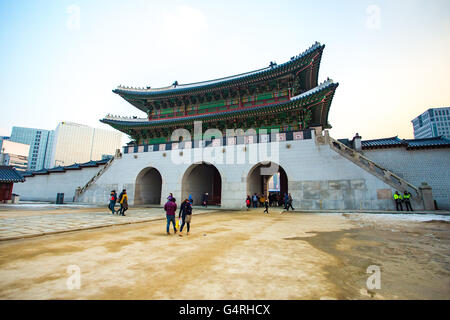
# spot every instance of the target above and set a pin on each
(416, 166)
(45, 187)
(319, 178)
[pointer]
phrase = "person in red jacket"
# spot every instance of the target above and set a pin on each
(170, 207)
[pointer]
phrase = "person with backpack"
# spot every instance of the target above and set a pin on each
(123, 203)
(171, 207)
(112, 201)
(248, 202)
(186, 215)
(255, 200)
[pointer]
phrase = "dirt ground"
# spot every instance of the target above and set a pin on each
(236, 255)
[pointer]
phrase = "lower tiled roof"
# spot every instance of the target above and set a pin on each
(8, 174)
(436, 142)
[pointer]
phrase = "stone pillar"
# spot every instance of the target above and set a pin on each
(427, 196)
(357, 143)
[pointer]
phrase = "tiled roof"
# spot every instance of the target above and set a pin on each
(89, 164)
(382, 143)
(323, 89)
(428, 143)
(57, 169)
(9, 174)
(261, 73)
(409, 144)
(75, 166)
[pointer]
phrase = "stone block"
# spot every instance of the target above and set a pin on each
(359, 184)
(384, 194)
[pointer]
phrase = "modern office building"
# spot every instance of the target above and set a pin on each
(14, 154)
(41, 144)
(70, 143)
(434, 122)
(77, 143)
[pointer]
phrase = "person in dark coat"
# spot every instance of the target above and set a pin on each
(112, 201)
(170, 207)
(248, 202)
(266, 205)
(289, 203)
(186, 215)
(119, 199)
(205, 199)
(123, 203)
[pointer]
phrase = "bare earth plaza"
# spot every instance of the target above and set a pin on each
(234, 188)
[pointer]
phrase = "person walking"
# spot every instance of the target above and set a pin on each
(289, 203)
(119, 199)
(170, 207)
(186, 215)
(407, 200)
(112, 201)
(266, 205)
(398, 201)
(248, 202)
(286, 199)
(255, 200)
(262, 200)
(205, 199)
(123, 203)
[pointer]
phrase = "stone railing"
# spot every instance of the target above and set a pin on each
(387, 176)
(80, 190)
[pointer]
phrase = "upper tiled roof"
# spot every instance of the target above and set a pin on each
(436, 142)
(233, 80)
(9, 174)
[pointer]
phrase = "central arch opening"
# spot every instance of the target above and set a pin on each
(148, 187)
(200, 179)
(268, 180)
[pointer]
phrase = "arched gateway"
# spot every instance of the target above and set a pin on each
(148, 187)
(202, 178)
(267, 178)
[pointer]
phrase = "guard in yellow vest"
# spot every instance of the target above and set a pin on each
(407, 199)
(398, 200)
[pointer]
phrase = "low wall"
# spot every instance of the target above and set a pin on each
(45, 187)
(417, 166)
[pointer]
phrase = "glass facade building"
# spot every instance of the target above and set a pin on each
(41, 144)
(434, 122)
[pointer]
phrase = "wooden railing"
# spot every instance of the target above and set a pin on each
(356, 157)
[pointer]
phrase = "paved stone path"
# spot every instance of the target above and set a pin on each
(32, 226)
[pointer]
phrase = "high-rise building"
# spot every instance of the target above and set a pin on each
(77, 143)
(434, 122)
(41, 145)
(14, 154)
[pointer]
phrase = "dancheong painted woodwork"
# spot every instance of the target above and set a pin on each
(284, 96)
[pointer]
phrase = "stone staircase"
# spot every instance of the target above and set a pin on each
(357, 158)
(80, 191)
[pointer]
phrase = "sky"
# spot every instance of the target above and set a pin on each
(60, 60)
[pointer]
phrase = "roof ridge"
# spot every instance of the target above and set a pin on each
(313, 47)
